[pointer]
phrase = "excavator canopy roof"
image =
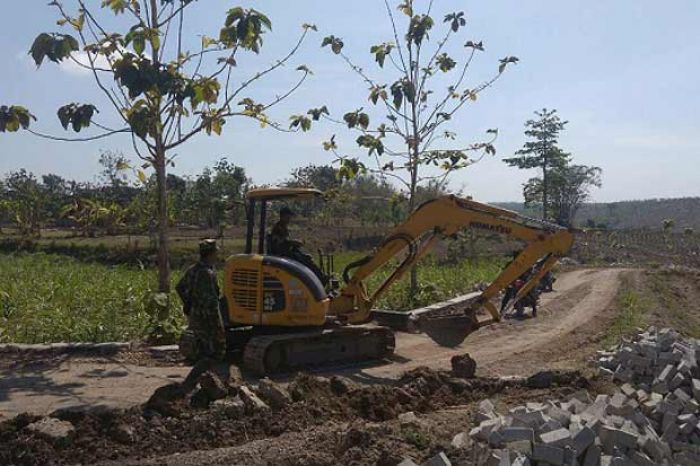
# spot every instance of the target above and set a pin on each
(276, 193)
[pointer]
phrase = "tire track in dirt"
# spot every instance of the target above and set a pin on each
(580, 297)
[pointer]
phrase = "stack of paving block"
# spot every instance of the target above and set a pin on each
(652, 419)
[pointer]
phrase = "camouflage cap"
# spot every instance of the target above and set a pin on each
(207, 246)
(286, 211)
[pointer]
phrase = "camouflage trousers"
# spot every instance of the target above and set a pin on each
(204, 338)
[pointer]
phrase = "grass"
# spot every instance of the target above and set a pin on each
(633, 312)
(52, 297)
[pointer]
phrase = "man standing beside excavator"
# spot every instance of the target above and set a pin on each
(198, 289)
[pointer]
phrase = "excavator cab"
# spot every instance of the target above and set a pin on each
(262, 289)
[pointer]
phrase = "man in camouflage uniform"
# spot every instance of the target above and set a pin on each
(198, 289)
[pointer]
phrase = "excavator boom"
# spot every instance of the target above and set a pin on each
(445, 216)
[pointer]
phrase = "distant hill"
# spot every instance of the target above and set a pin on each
(648, 213)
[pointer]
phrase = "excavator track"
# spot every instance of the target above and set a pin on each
(284, 352)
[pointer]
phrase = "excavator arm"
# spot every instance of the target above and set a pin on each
(445, 216)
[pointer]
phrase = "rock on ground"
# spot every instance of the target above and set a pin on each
(51, 428)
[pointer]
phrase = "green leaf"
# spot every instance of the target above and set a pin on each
(418, 28)
(65, 114)
(75, 115)
(505, 62)
(335, 42)
(376, 93)
(380, 52)
(142, 176)
(397, 94)
(55, 47)
(363, 120)
(475, 45)
(244, 28)
(208, 41)
(300, 122)
(330, 144)
(317, 112)
(14, 117)
(456, 20)
(117, 6)
(406, 8)
(445, 62)
(350, 168)
(372, 143)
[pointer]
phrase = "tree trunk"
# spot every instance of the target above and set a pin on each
(545, 187)
(159, 154)
(163, 260)
(411, 205)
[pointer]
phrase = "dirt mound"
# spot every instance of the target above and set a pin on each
(168, 424)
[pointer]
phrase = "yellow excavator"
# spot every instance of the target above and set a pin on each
(283, 317)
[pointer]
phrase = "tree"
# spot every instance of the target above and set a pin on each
(569, 187)
(58, 192)
(668, 225)
(26, 199)
(543, 153)
(322, 177)
(230, 184)
(114, 168)
(163, 94)
(413, 113)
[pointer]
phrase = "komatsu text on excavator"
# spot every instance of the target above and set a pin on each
(282, 316)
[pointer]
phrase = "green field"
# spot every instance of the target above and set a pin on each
(51, 298)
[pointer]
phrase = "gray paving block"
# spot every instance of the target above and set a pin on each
(696, 389)
(560, 415)
(670, 433)
(667, 374)
(532, 419)
(583, 439)
(520, 446)
(592, 456)
(677, 380)
(511, 434)
(548, 454)
(557, 438)
(681, 395)
(611, 437)
(640, 459)
(628, 390)
(407, 462)
(499, 458)
(483, 430)
(440, 459)
(461, 440)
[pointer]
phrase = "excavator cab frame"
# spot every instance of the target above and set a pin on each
(262, 197)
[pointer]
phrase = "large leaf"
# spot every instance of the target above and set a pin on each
(55, 47)
(14, 117)
(336, 43)
(75, 115)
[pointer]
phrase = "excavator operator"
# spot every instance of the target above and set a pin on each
(282, 245)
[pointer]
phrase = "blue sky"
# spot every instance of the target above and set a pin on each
(624, 74)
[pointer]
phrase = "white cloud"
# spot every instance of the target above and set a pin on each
(71, 67)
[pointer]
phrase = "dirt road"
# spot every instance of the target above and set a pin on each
(579, 298)
(565, 323)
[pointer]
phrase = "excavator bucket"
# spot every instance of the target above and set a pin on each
(448, 330)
